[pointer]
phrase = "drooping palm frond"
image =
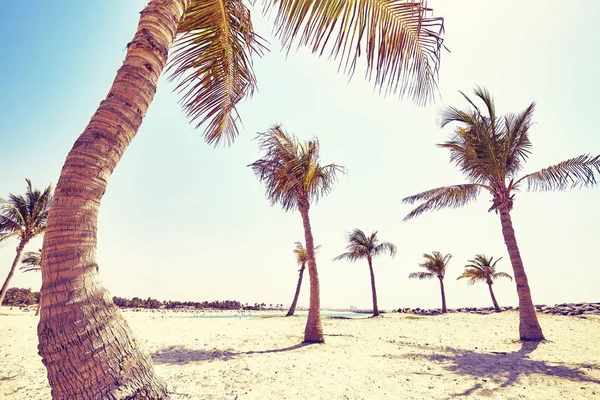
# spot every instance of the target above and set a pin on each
(291, 170)
(399, 39)
(496, 275)
(25, 215)
(443, 197)
(362, 246)
(421, 275)
(32, 261)
(212, 57)
(576, 172)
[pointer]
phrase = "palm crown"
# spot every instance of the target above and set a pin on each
(435, 264)
(490, 151)
(482, 269)
(291, 170)
(362, 246)
(302, 254)
(25, 216)
(213, 54)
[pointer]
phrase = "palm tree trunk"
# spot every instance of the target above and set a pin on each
(496, 306)
(373, 290)
(444, 309)
(529, 327)
(298, 286)
(4, 289)
(87, 347)
(313, 333)
(37, 310)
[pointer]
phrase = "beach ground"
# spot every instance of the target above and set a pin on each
(396, 356)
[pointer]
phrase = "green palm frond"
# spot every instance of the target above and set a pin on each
(291, 170)
(473, 275)
(443, 197)
(576, 172)
(302, 254)
(32, 261)
(212, 58)
(400, 41)
(421, 275)
(435, 263)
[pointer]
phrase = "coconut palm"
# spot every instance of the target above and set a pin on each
(23, 217)
(212, 58)
(301, 259)
(32, 262)
(294, 177)
(436, 265)
(490, 151)
(361, 246)
(482, 269)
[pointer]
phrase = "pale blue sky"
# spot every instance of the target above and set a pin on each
(183, 221)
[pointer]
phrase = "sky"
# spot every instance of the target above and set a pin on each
(182, 220)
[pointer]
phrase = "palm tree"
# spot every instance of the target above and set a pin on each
(482, 269)
(23, 217)
(32, 262)
(436, 265)
(301, 259)
(359, 247)
(490, 151)
(212, 57)
(294, 177)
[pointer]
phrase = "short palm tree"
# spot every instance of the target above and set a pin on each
(294, 177)
(361, 246)
(210, 46)
(490, 151)
(436, 265)
(32, 262)
(483, 269)
(23, 217)
(301, 259)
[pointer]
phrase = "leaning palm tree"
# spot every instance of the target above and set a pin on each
(490, 151)
(294, 177)
(435, 265)
(361, 246)
(482, 269)
(301, 259)
(23, 217)
(210, 44)
(32, 262)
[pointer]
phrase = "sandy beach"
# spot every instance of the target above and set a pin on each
(396, 356)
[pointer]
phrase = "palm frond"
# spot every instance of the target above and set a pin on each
(444, 197)
(501, 275)
(385, 247)
(212, 58)
(576, 172)
(421, 275)
(32, 261)
(400, 41)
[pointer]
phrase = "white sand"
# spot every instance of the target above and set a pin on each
(394, 357)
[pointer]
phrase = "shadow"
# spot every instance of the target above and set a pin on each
(179, 355)
(502, 368)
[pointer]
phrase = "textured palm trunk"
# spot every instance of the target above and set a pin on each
(529, 327)
(496, 306)
(39, 306)
(373, 290)
(298, 287)
(313, 333)
(4, 289)
(87, 347)
(444, 309)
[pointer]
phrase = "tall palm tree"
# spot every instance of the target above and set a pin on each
(301, 259)
(32, 262)
(436, 265)
(294, 177)
(212, 57)
(482, 269)
(23, 217)
(490, 151)
(361, 246)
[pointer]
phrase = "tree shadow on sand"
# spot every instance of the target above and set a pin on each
(504, 368)
(182, 355)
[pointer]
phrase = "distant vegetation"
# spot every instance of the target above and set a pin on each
(20, 297)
